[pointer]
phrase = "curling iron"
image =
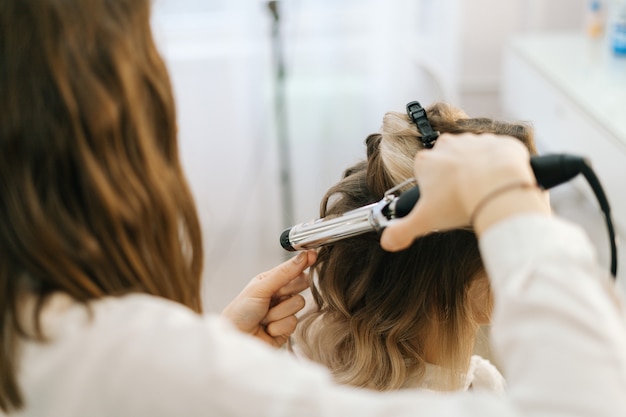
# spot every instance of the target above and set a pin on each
(549, 171)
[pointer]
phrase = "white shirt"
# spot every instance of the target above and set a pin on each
(481, 375)
(558, 332)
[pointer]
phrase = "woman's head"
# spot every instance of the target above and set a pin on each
(93, 201)
(391, 151)
(381, 314)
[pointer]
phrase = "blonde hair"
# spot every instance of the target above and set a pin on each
(376, 309)
(93, 200)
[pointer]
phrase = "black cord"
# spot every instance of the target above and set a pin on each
(552, 170)
(595, 185)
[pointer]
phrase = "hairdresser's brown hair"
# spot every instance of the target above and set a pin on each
(93, 201)
(376, 307)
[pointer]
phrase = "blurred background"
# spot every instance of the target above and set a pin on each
(272, 107)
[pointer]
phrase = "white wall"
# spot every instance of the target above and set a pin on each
(347, 63)
(486, 28)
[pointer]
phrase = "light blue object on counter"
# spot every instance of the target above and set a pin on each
(618, 34)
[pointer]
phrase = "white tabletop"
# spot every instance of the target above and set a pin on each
(585, 70)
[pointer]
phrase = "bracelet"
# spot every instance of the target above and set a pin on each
(497, 192)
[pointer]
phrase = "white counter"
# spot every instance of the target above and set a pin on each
(573, 90)
(585, 71)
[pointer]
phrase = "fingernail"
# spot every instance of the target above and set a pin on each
(300, 258)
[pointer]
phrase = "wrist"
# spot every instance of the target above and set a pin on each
(510, 202)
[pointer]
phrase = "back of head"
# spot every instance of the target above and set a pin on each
(93, 199)
(376, 309)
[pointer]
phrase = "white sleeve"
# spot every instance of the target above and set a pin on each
(204, 367)
(558, 324)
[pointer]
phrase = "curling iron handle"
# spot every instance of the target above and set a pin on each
(406, 202)
(550, 171)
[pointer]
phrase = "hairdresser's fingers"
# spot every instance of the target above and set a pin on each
(251, 306)
(399, 234)
(282, 329)
(287, 307)
(298, 284)
(428, 216)
(437, 208)
(268, 283)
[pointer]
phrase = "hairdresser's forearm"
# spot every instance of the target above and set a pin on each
(558, 326)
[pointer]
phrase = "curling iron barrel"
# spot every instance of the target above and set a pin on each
(549, 170)
(323, 231)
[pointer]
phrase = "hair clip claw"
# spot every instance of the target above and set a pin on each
(417, 114)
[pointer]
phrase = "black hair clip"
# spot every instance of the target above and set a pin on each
(418, 115)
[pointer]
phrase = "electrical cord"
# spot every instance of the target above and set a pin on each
(596, 187)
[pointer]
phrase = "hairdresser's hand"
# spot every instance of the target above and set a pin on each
(267, 306)
(457, 174)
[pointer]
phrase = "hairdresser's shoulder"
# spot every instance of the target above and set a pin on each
(147, 314)
(123, 353)
(142, 305)
(137, 327)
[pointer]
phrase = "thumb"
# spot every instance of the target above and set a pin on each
(399, 234)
